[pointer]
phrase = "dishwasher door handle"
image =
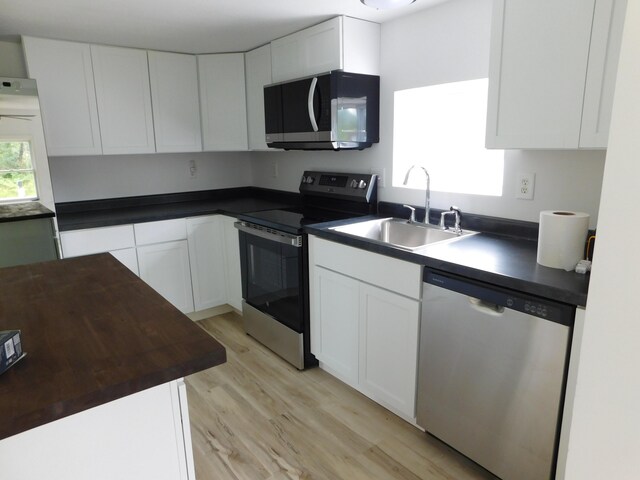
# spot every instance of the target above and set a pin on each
(488, 308)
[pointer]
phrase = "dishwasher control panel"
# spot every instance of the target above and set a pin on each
(502, 297)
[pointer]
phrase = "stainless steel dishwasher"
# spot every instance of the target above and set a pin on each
(491, 374)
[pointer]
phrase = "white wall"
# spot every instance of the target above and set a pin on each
(605, 434)
(12, 59)
(447, 43)
(107, 176)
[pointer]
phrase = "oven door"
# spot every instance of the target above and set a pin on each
(271, 273)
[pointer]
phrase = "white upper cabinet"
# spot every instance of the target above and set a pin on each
(258, 74)
(606, 37)
(67, 95)
(342, 43)
(124, 99)
(552, 73)
(176, 107)
(222, 102)
(539, 53)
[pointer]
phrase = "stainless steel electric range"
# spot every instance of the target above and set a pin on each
(274, 259)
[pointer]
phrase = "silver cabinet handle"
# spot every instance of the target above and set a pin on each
(312, 114)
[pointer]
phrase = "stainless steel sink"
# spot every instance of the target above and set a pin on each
(399, 233)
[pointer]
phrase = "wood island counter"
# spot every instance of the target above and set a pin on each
(100, 392)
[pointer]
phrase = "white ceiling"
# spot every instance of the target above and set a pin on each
(189, 26)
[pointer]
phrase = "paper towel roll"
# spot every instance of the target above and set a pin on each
(561, 238)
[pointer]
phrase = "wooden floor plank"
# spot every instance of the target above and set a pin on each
(258, 418)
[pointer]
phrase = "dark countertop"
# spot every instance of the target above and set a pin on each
(493, 258)
(119, 211)
(93, 333)
(12, 212)
(498, 260)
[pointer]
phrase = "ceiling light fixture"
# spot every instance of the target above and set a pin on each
(387, 4)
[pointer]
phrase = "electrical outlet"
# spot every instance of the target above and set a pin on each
(193, 169)
(525, 185)
(274, 172)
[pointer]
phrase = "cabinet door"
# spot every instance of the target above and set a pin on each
(389, 348)
(334, 323)
(232, 262)
(128, 257)
(539, 53)
(606, 37)
(222, 102)
(67, 95)
(124, 99)
(258, 74)
(207, 259)
(313, 50)
(165, 267)
(176, 105)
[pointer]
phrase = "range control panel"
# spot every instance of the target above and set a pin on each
(339, 185)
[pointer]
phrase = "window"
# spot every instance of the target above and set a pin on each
(442, 128)
(17, 176)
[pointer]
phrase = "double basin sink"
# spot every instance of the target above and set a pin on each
(400, 233)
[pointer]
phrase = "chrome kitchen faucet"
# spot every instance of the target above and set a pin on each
(427, 193)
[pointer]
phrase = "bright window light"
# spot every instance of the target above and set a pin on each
(442, 128)
(17, 175)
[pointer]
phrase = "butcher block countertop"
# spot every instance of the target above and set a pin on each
(93, 332)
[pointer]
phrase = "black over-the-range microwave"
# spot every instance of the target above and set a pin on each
(333, 111)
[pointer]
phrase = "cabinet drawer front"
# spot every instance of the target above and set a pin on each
(162, 231)
(389, 273)
(96, 240)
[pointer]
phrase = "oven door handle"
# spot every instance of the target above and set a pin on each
(269, 234)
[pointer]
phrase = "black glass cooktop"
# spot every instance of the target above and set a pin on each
(284, 218)
(292, 220)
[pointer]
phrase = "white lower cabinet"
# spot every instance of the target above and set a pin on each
(145, 436)
(389, 326)
(118, 240)
(214, 255)
(335, 313)
(366, 335)
(194, 262)
(128, 257)
(232, 262)
(165, 267)
(207, 259)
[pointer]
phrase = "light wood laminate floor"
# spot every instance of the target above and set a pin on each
(257, 417)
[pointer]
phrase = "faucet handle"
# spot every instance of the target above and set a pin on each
(457, 211)
(412, 218)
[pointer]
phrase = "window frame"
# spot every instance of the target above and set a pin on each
(30, 140)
